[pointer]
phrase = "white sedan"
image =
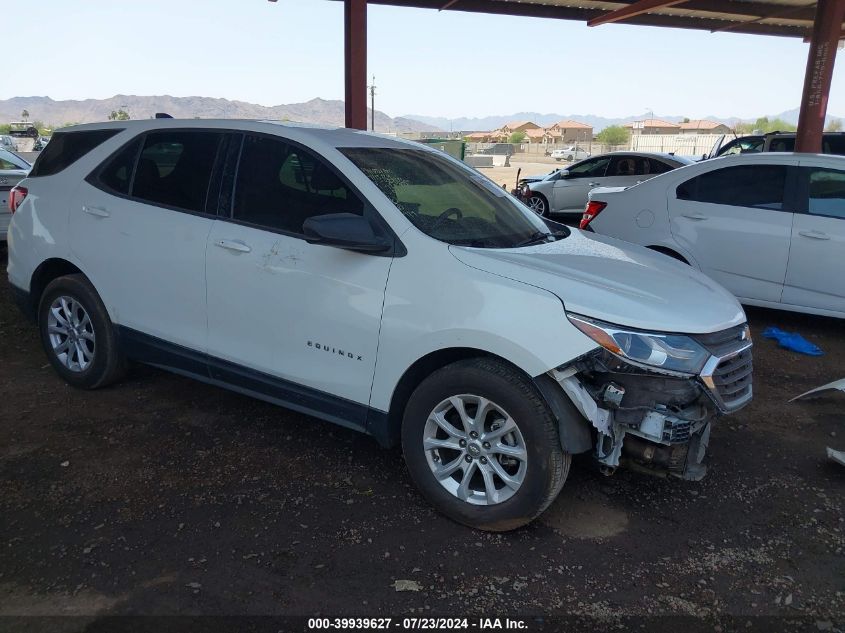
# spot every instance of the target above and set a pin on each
(573, 152)
(769, 227)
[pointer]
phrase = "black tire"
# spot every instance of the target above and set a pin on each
(546, 465)
(569, 158)
(107, 364)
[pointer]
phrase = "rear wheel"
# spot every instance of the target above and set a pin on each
(77, 334)
(482, 445)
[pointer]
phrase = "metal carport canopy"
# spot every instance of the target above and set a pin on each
(820, 23)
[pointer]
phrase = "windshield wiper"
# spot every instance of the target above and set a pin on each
(540, 236)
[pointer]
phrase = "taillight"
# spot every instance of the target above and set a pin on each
(594, 207)
(16, 196)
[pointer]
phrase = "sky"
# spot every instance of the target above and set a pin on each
(425, 62)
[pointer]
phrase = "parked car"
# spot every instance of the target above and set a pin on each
(768, 227)
(381, 285)
(573, 152)
(497, 149)
(23, 129)
(8, 143)
(527, 180)
(565, 191)
(40, 143)
(832, 143)
(13, 169)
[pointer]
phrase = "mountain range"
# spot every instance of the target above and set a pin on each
(320, 111)
(484, 124)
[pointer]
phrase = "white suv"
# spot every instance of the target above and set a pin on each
(380, 285)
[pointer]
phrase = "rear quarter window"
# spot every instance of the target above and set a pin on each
(66, 148)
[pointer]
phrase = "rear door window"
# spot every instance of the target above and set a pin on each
(827, 192)
(115, 175)
(658, 166)
(174, 168)
(757, 186)
(66, 148)
(834, 144)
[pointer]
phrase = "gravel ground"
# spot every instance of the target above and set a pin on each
(161, 495)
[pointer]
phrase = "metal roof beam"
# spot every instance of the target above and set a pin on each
(634, 9)
(525, 9)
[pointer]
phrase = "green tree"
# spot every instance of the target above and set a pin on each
(517, 137)
(834, 125)
(119, 115)
(614, 135)
(25, 115)
(764, 125)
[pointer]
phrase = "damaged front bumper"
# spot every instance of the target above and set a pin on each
(659, 421)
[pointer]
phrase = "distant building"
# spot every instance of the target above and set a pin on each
(703, 126)
(569, 132)
(653, 126)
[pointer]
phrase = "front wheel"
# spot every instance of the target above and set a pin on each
(538, 204)
(482, 445)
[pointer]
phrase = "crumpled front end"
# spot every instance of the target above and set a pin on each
(659, 421)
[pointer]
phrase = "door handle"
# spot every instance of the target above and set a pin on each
(695, 216)
(816, 235)
(99, 212)
(234, 245)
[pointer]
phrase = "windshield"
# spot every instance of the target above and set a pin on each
(447, 200)
(14, 159)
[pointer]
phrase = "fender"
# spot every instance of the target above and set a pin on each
(575, 432)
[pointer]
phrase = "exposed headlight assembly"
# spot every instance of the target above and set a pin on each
(669, 352)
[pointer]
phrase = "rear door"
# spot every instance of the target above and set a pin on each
(816, 272)
(569, 194)
(139, 227)
(737, 224)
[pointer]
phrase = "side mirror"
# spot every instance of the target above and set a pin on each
(563, 173)
(344, 230)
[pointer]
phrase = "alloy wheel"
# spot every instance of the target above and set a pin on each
(71, 333)
(537, 205)
(475, 450)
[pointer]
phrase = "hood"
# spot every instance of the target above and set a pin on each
(615, 281)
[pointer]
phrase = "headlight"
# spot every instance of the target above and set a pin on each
(672, 352)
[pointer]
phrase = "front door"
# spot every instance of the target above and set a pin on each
(816, 273)
(736, 224)
(291, 320)
(570, 190)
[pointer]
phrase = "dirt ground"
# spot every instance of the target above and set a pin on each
(161, 495)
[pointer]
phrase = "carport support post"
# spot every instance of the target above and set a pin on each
(826, 33)
(355, 58)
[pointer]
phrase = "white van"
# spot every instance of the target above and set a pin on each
(383, 286)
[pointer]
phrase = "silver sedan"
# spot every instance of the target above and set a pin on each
(566, 190)
(13, 169)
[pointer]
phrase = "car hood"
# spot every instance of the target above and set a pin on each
(615, 281)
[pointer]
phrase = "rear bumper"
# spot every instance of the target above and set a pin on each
(23, 300)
